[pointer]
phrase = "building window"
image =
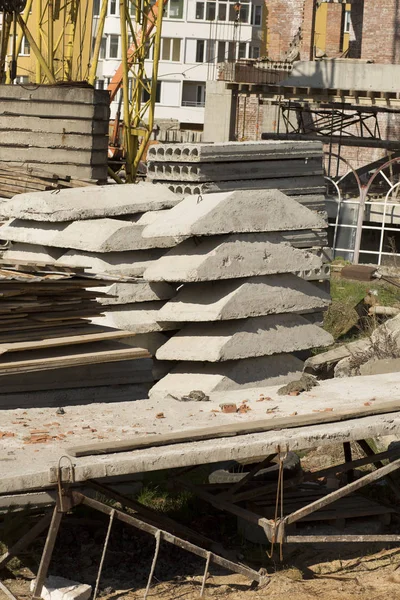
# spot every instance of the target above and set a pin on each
(99, 85)
(200, 10)
(210, 11)
(174, 9)
(201, 95)
(256, 12)
(200, 51)
(347, 21)
(112, 7)
(146, 95)
(242, 52)
(25, 49)
(254, 52)
(103, 46)
(171, 49)
(96, 8)
(221, 11)
(114, 46)
(221, 52)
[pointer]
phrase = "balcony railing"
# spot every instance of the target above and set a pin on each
(192, 103)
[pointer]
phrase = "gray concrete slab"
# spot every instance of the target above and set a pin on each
(137, 291)
(29, 467)
(228, 376)
(233, 151)
(228, 171)
(32, 252)
(241, 298)
(141, 317)
(119, 264)
(230, 257)
(244, 338)
(235, 212)
(91, 202)
(28, 232)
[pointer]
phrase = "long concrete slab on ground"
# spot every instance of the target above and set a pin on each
(90, 202)
(118, 264)
(244, 338)
(241, 298)
(230, 257)
(233, 151)
(26, 467)
(32, 253)
(228, 376)
(136, 291)
(141, 317)
(91, 235)
(241, 211)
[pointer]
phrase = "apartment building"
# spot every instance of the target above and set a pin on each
(197, 36)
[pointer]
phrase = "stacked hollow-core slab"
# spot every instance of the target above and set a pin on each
(100, 228)
(243, 314)
(293, 167)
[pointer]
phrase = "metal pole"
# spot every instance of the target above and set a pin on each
(39, 9)
(50, 35)
(36, 50)
(99, 36)
(125, 91)
(20, 35)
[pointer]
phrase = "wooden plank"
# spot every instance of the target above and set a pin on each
(78, 338)
(235, 429)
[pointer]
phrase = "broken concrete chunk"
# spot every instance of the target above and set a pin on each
(90, 202)
(243, 211)
(233, 340)
(231, 257)
(59, 588)
(228, 376)
(241, 298)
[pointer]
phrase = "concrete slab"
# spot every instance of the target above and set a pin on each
(119, 264)
(59, 588)
(233, 151)
(230, 257)
(241, 298)
(231, 171)
(91, 235)
(240, 211)
(244, 338)
(137, 291)
(229, 376)
(138, 318)
(33, 252)
(34, 466)
(91, 202)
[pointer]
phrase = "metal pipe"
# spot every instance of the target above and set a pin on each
(36, 50)
(125, 90)
(50, 35)
(97, 45)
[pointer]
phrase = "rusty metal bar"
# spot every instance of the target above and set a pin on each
(171, 539)
(312, 539)
(348, 459)
(344, 491)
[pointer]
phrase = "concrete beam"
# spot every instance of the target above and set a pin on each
(234, 340)
(241, 298)
(138, 318)
(137, 291)
(230, 257)
(119, 264)
(91, 202)
(32, 253)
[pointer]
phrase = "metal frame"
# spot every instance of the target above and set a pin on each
(164, 529)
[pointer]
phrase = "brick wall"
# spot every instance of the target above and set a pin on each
(334, 30)
(249, 118)
(284, 19)
(306, 49)
(381, 31)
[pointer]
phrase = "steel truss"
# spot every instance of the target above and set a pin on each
(164, 529)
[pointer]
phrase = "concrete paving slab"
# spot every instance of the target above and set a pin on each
(59, 588)
(91, 235)
(119, 264)
(137, 291)
(229, 376)
(244, 338)
(240, 211)
(141, 317)
(233, 151)
(231, 171)
(34, 466)
(230, 257)
(91, 202)
(241, 298)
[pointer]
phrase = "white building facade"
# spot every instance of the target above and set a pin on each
(197, 36)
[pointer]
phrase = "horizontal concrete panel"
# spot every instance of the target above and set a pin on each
(54, 93)
(61, 109)
(50, 124)
(49, 156)
(60, 169)
(29, 139)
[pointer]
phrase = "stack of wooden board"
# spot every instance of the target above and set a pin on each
(46, 334)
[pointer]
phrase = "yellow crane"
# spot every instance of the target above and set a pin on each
(57, 40)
